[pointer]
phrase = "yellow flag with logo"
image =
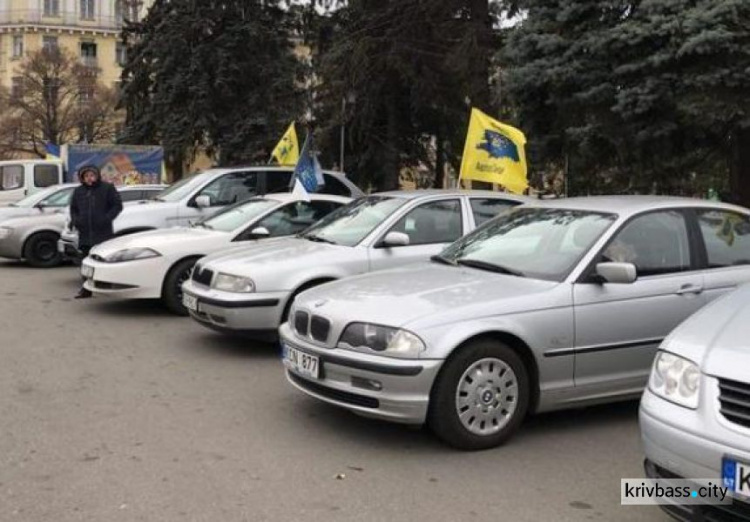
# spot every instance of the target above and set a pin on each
(495, 153)
(287, 150)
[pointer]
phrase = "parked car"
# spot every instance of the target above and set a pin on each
(203, 194)
(695, 413)
(26, 177)
(50, 200)
(249, 290)
(34, 238)
(155, 264)
(545, 307)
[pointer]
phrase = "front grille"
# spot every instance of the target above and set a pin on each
(301, 320)
(319, 328)
(335, 395)
(735, 512)
(734, 398)
(203, 276)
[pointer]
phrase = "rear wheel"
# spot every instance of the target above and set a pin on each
(41, 250)
(171, 293)
(480, 397)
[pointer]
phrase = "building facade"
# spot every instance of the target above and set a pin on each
(88, 29)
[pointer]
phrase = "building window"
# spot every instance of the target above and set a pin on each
(121, 53)
(88, 54)
(52, 8)
(133, 7)
(87, 9)
(17, 45)
(16, 87)
(49, 43)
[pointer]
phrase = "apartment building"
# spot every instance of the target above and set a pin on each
(89, 29)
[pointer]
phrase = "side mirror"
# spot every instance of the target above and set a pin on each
(259, 233)
(203, 201)
(617, 273)
(395, 239)
(40, 206)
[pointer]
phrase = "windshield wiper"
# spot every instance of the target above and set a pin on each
(443, 260)
(319, 239)
(491, 267)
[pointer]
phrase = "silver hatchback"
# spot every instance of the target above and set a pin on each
(556, 305)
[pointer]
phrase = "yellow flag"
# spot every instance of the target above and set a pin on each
(495, 153)
(287, 150)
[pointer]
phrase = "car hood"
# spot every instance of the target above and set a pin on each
(165, 241)
(422, 295)
(12, 212)
(716, 337)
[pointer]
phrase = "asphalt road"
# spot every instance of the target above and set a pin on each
(117, 411)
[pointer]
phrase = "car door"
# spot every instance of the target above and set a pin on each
(619, 326)
(227, 189)
(726, 236)
(431, 226)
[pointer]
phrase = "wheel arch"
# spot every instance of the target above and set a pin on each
(194, 257)
(31, 233)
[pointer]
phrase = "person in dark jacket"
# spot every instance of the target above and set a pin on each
(93, 207)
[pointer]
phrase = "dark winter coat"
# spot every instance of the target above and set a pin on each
(92, 211)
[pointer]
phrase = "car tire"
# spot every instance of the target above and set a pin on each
(481, 396)
(171, 294)
(41, 251)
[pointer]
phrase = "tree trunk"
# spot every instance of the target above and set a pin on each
(439, 161)
(480, 64)
(739, 180)
(391, 162)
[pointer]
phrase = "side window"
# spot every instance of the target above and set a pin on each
(11, 177)
(46, 176)
(296, 217)
(131, 195)
(656, 243)
(278, 181)
(727, 237)
(434, 222)
(61, 198)
(485, 209)
(334, 187)
(231, 188)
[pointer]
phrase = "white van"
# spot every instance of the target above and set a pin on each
(23, 177)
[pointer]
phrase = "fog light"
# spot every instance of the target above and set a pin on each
(367, 384)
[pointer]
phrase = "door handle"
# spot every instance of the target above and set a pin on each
(689, 289)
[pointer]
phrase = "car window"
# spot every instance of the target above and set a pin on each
(182, 188)
(278, 181)
(131, 195)
(433, 222)
(727, 237)
(485, 209)
(151, 193)
(11, 177)
(46, 176)
(334, 187)
(231, 188)
(656, 243)
(61, 198)
(233, 217)
(296, 217)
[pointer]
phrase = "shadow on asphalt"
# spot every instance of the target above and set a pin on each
(206, 341)
(132, 307)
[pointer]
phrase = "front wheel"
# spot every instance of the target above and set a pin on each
(41, 250)
(172, 289)
(480, 397)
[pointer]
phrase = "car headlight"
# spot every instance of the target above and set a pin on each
(5, 232)
(675, 379)
(236, 284)
(131, 254)
(385, 340)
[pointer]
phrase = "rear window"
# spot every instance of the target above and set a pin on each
(485, 209)
(46, 176)
(334, 187)
(11, 177)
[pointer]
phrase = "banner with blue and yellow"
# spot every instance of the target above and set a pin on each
(287, 150)
(494, 153)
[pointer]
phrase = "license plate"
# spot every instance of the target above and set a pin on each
(736, 476)
(190, 302)
(87, 271)
(302, 363)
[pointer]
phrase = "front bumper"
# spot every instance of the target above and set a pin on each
(396, 390)
(11, 246)
(140, 279)
(691, 444)
(69, 250)
(254, 314)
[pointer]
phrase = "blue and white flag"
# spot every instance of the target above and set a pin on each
(308, 170)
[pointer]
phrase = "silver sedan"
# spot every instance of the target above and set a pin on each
(545, 307)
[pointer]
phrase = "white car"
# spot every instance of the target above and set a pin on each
(249, 290)
(201, 195)
(51, 200)
(155, 264)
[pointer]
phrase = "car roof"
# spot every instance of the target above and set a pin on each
(629, 205)
(419, 193)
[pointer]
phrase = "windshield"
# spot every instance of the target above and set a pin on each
(36, 197)
(352, 223)
(233, 217)
(181, 189)
(543, 243)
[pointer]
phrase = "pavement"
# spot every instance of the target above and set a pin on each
(117, 411)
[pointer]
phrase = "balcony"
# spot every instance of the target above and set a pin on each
(62, 19)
